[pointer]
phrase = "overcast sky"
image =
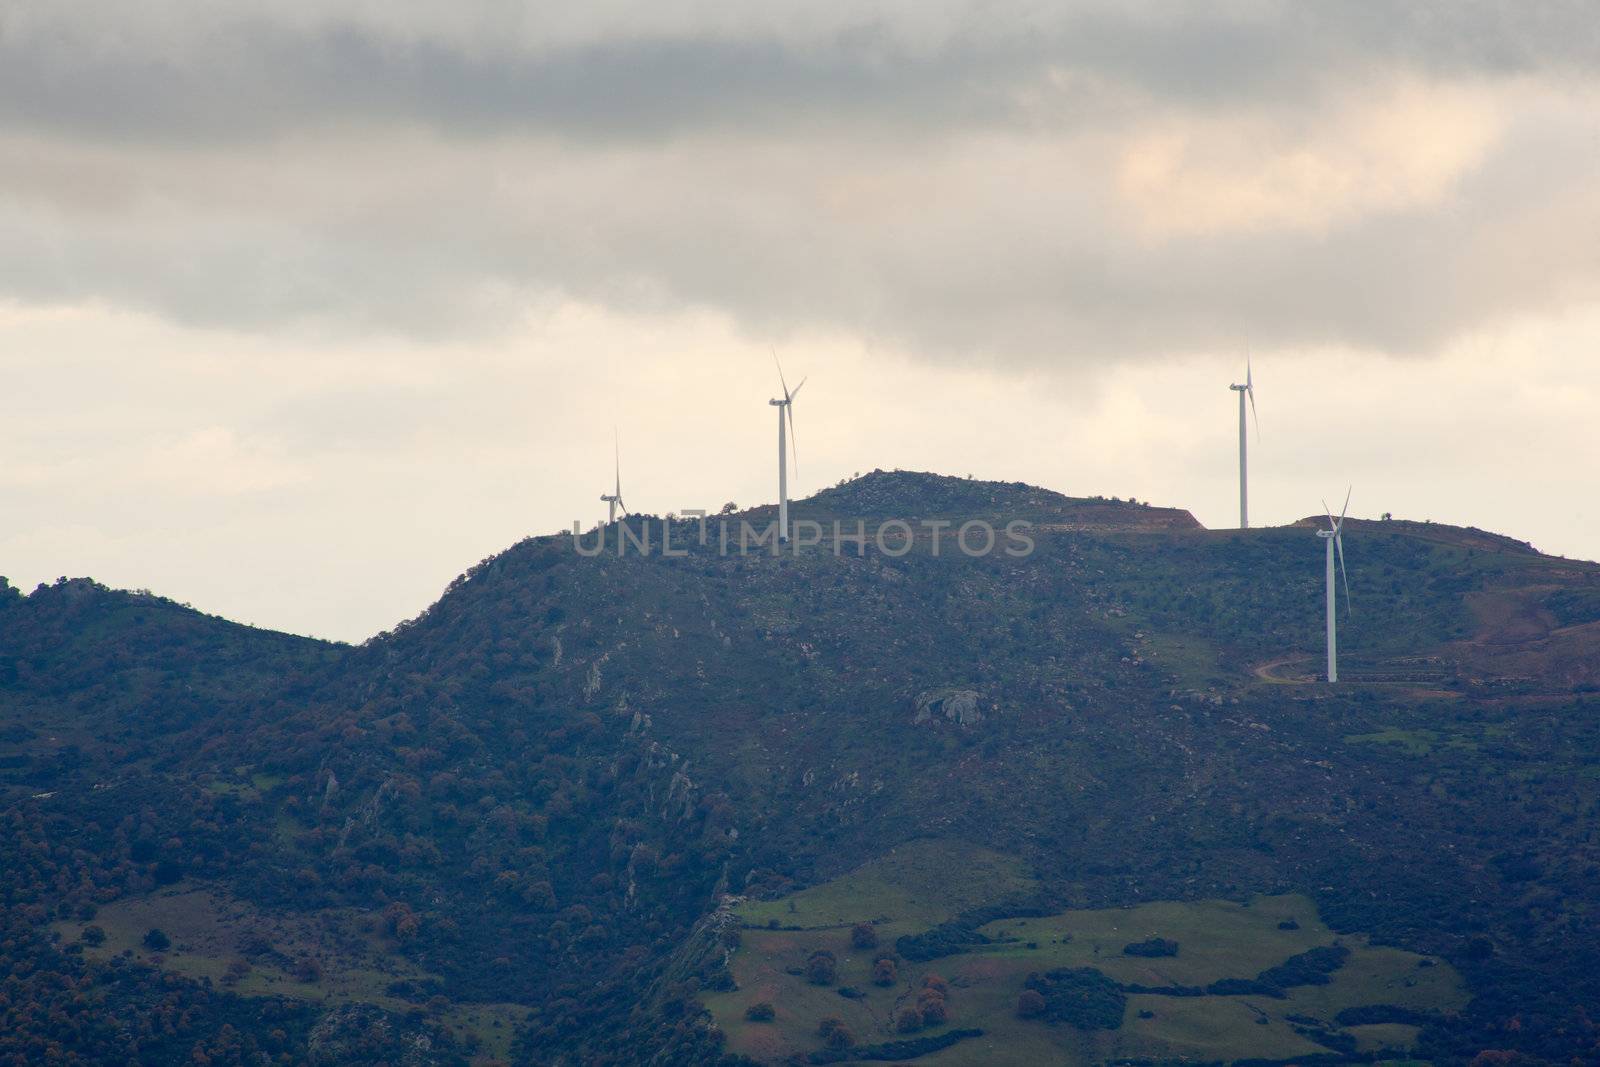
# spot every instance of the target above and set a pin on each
(305, 307)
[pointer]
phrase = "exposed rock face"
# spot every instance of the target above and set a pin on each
(958, 705)
(344, 1034)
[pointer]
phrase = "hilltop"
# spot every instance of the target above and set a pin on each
(549, 819)
(913, 495)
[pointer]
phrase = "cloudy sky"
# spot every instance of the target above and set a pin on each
(307, 306)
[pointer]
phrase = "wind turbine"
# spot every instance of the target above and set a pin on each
(1334, 536)
(1247, 389)
(614, 498)
(785, 414)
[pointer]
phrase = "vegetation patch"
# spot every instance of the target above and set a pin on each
(336, 956)
(921, 882)
(1151, 948)
(1411, 742)
(1078, 996)
(1311, 967)
(1241, 972)
(895, 1050)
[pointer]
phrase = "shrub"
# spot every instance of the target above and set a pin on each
(901, 1051)
(885, 973)
(828, 1025)
(1154, 947)
(1311, 967)
(401, 921)
(946, 939)
(1382, 1013)
(933, 981)
(760, 1012)
(931, 1003)
(908, 1021)
(862, 935)
(821, 968)
(1081, 996)
(255, 943)
(93, 935)
(156, 941)
(1030, 1004)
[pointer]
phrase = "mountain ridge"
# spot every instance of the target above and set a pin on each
(529, 801)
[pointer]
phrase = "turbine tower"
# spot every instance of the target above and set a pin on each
(1334, 536)
(785, 415)
(1247, 389)
(614, 498)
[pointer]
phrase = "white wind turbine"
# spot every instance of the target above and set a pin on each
(1334, 536)
(1247, 389)
(614, 498)
(785, 415)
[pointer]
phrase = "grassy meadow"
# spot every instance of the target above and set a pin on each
(922, 884)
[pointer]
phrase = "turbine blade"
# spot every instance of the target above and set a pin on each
(794, 446)
(798, 388)
(1250, 391)
(1331, 524)
(616, 452)
(780, 374)
(1344, 575)
(1346, 508)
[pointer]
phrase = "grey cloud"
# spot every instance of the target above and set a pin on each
(250, 70)
(275, 166)
(988, 271)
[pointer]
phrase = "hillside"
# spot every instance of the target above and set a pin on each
(554, 818)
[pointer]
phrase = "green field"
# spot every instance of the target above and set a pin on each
(905, 892)
(1411, 742)
(358, 964)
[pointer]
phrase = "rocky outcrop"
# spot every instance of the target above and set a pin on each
(961, 706)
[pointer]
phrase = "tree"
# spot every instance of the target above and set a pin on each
(1030, 1004)
(238, 967)
(862, 935)
(93, 935)
(908, 1020)
(401, 921)
(884, 972)
(931, 1003)
(156, 941)
(821, 968)
(760, 1012)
